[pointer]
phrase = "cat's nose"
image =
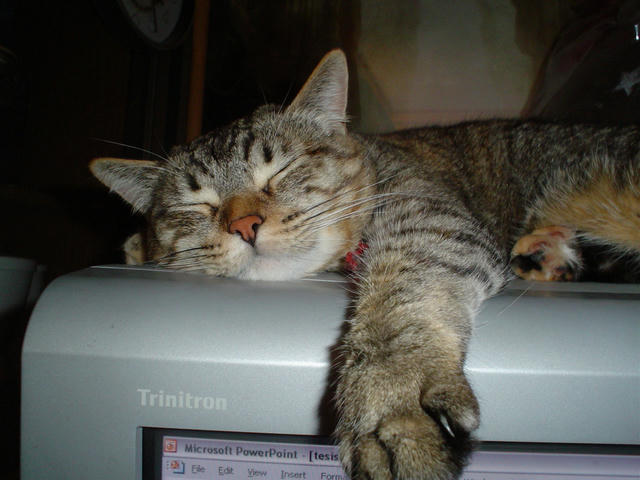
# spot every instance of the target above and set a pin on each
(247, 227)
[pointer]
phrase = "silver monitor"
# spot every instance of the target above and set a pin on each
(139, 373)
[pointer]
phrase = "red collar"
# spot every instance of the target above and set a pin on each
(352, 258)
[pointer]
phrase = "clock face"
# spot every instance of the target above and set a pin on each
(155, 20)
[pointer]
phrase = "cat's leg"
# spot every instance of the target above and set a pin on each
(547, 254)
(598, 205)
(406, 409)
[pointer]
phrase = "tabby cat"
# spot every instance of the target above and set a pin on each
(287, 192)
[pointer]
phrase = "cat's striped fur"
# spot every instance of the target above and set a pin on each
(287, 192)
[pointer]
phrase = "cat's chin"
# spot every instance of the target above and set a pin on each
(269, 261)
(275, 268)
(284, 267)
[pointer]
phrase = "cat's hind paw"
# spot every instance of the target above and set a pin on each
(547, 254)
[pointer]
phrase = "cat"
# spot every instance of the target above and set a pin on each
(437, 214)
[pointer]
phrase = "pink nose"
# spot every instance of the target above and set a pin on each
(247, 227)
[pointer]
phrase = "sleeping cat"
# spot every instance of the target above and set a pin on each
(439, 214)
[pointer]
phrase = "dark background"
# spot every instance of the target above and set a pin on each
(73, 78)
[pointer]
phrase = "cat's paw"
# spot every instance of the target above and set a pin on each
(396, 425)
(547, 254)
(134, 250)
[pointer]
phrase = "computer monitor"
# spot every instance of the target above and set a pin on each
(142, 373)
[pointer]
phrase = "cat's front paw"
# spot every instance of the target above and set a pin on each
(397, 423)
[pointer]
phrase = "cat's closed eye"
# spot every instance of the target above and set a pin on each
(267, 189)
(212, 208)
(201, 207)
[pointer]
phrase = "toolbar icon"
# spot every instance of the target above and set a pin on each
(176, 467)
(170, 445)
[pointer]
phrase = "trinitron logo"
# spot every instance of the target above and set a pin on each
(162, 399)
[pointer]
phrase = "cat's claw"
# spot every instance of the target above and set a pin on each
(547, 254)
(429, 439)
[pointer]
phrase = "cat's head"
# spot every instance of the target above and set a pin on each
(277, 195)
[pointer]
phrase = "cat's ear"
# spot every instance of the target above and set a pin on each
(325, 92)
(133, 180)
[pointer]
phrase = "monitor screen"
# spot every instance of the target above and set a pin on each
(197, 455)
(186, 454)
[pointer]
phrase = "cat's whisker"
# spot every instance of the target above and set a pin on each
(178, 252)
(112, 142)
(347, 211)
(171, 257)
(195, 268)
(280, 117)
(346, 192)
(189, 263)
(312, 229)
(263, 93)
(343, 193)
(325, 223)
(523, 293)
(338, 209)
(186, 260)
(286, 98)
